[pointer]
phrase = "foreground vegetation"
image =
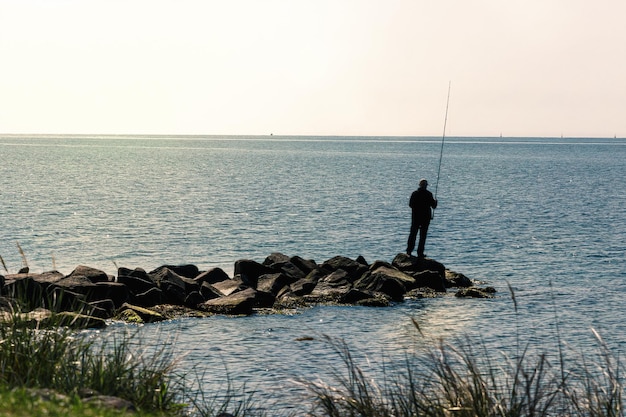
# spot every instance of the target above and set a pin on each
(465, 381)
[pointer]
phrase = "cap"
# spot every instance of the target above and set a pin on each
(423, 182)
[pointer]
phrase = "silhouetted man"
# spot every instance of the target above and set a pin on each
(421, 203)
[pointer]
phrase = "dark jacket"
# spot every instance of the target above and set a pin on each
(421, 202)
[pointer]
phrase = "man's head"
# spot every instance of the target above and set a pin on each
(423, 183)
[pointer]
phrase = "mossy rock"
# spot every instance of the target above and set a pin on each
(135, 314)
(129, 316)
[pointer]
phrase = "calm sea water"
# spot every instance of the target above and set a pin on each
(546, 216)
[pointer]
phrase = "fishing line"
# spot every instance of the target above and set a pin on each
(445, 122)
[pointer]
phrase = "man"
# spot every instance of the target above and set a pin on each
(421, 203)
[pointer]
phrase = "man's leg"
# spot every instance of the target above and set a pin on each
(410, 244)
(422, 243)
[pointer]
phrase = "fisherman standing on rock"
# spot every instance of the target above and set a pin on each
(422, 202)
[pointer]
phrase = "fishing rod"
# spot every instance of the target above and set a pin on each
(443, 137)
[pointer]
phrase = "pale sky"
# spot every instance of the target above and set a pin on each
(314, 67)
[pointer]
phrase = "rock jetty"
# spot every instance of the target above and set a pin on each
(87, 297)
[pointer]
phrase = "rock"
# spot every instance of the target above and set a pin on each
(237, 303)
(275, 258)
(212, 276)
(476, 292)
(263, 299)
(454, 279)
(117, 292)
(354, 295)
(250, 271)
(103, 309)
(304, 265)
(386, 270)
(77, 284)
(305, 285)
(273, 283)
(419, 269)
(30, 289)
(144, 314)
(331, 287)
(411, 264)
(193, 299)
(136, 282)
(230, 286)
(429, 279)
(379, 282)
(175, 287)
(209, 292)
(92, 274)
(282, 263)
(149, 298)
(60, 299)
(187, 271)
(360, 259)
(129, 316)
(354, 269)
(374, 302)
(137, 272)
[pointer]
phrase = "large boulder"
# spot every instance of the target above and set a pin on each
(353, 268)
(175, 287)
(137, 314)
(275, 258)
(237, 303)
(474, 292)
(136, 281)
(209, 292)
(305, 285)
(455, 279)
(388, 281)
(429, 279)
(250, 271)
(78, 284)
(273, 283)
(364, 298)
(92, 274)
(412, 264)
(211, 276)
(331, 288)
(149, 298)
(304, 265)
(230, 286)
(187, 271)
(282, 263)
(427, 272)
(27, 289)
(117, 292)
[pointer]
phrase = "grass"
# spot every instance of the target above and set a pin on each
(23, 403)
(71, 365)
(64, 361)
(469, 381)
(465, 379)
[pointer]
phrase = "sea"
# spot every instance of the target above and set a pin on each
(542, 220)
